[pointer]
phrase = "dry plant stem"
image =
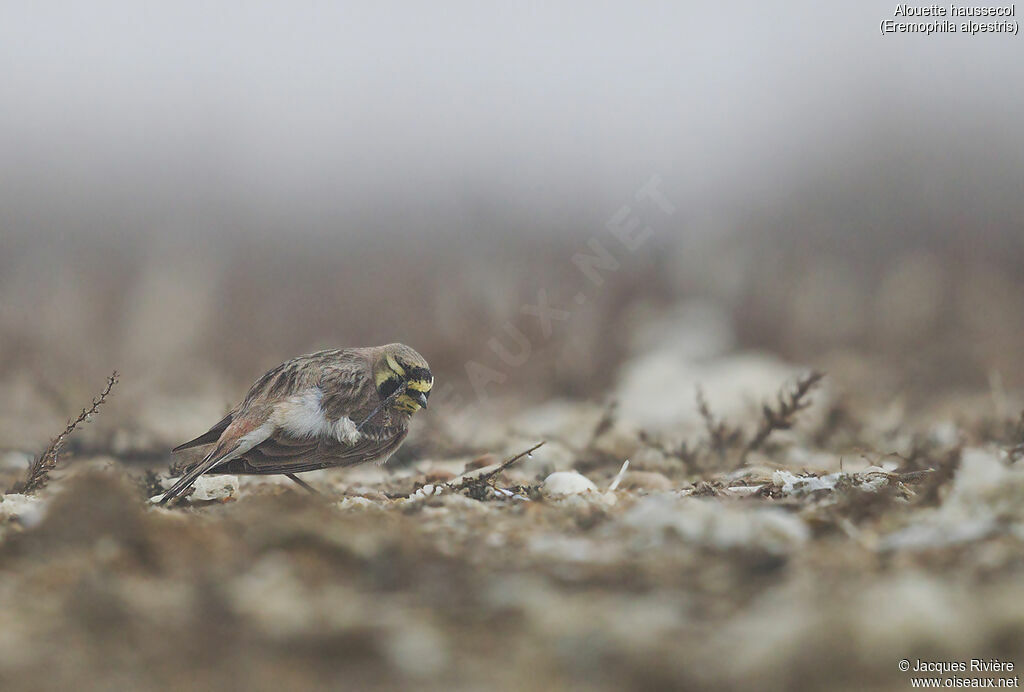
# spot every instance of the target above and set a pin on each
(39, 470)
(783, 415)
(605, 423)
(1017, 451)
(689, 456)
(486, 477)
(508, 462)
(720, 435)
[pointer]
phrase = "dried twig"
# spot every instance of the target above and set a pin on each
(1017, 451)
(508, 462)
(783, 415)
(910, 477)
(485, 478)
(690, 456)
(720, 435)
(39, 470)
(605, 423)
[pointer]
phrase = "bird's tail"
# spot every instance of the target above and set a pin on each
(212, 459)
(209, 437)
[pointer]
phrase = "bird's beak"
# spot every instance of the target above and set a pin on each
(420, 398)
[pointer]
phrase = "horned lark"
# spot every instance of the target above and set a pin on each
(331, 408)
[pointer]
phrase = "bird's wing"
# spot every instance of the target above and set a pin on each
(284, 454)
(293, 377)
(208, 437)
(347, 395)
(349, 390)
(286, 379)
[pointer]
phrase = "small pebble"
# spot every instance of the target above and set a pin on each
(563, 483)
(356, 503)
(214, 487)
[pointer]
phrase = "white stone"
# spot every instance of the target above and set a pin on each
(427, 490)
(870, 479)
(562, 483)
(791, 483)
(215, 488)
(209, 487)
(356, 503)
(25, 508)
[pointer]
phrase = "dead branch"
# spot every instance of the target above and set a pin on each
(783, 415)
(689, 456)
(1017, 451)
(720, 435)
(605, 423)
(485, 478)
(39, 470)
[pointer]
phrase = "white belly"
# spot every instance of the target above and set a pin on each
(302, 416)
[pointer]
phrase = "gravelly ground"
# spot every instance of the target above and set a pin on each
(815, 564)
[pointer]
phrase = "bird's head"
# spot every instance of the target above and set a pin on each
(401, 368)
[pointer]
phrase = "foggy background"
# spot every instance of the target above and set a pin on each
(191, 193)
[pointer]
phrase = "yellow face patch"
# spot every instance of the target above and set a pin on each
(392, 374)
(395, 367)
(382, 376)
(421, 385)
(405, 402)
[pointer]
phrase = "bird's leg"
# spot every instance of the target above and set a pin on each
(303, 484)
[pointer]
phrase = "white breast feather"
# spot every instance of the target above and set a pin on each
(247, 442)
(302, 416)
(344, 429)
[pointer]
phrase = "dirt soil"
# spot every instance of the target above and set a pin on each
(816, 558)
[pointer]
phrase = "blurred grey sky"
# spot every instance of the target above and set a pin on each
(187, 115)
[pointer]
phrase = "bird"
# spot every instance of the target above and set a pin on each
(338, 407)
